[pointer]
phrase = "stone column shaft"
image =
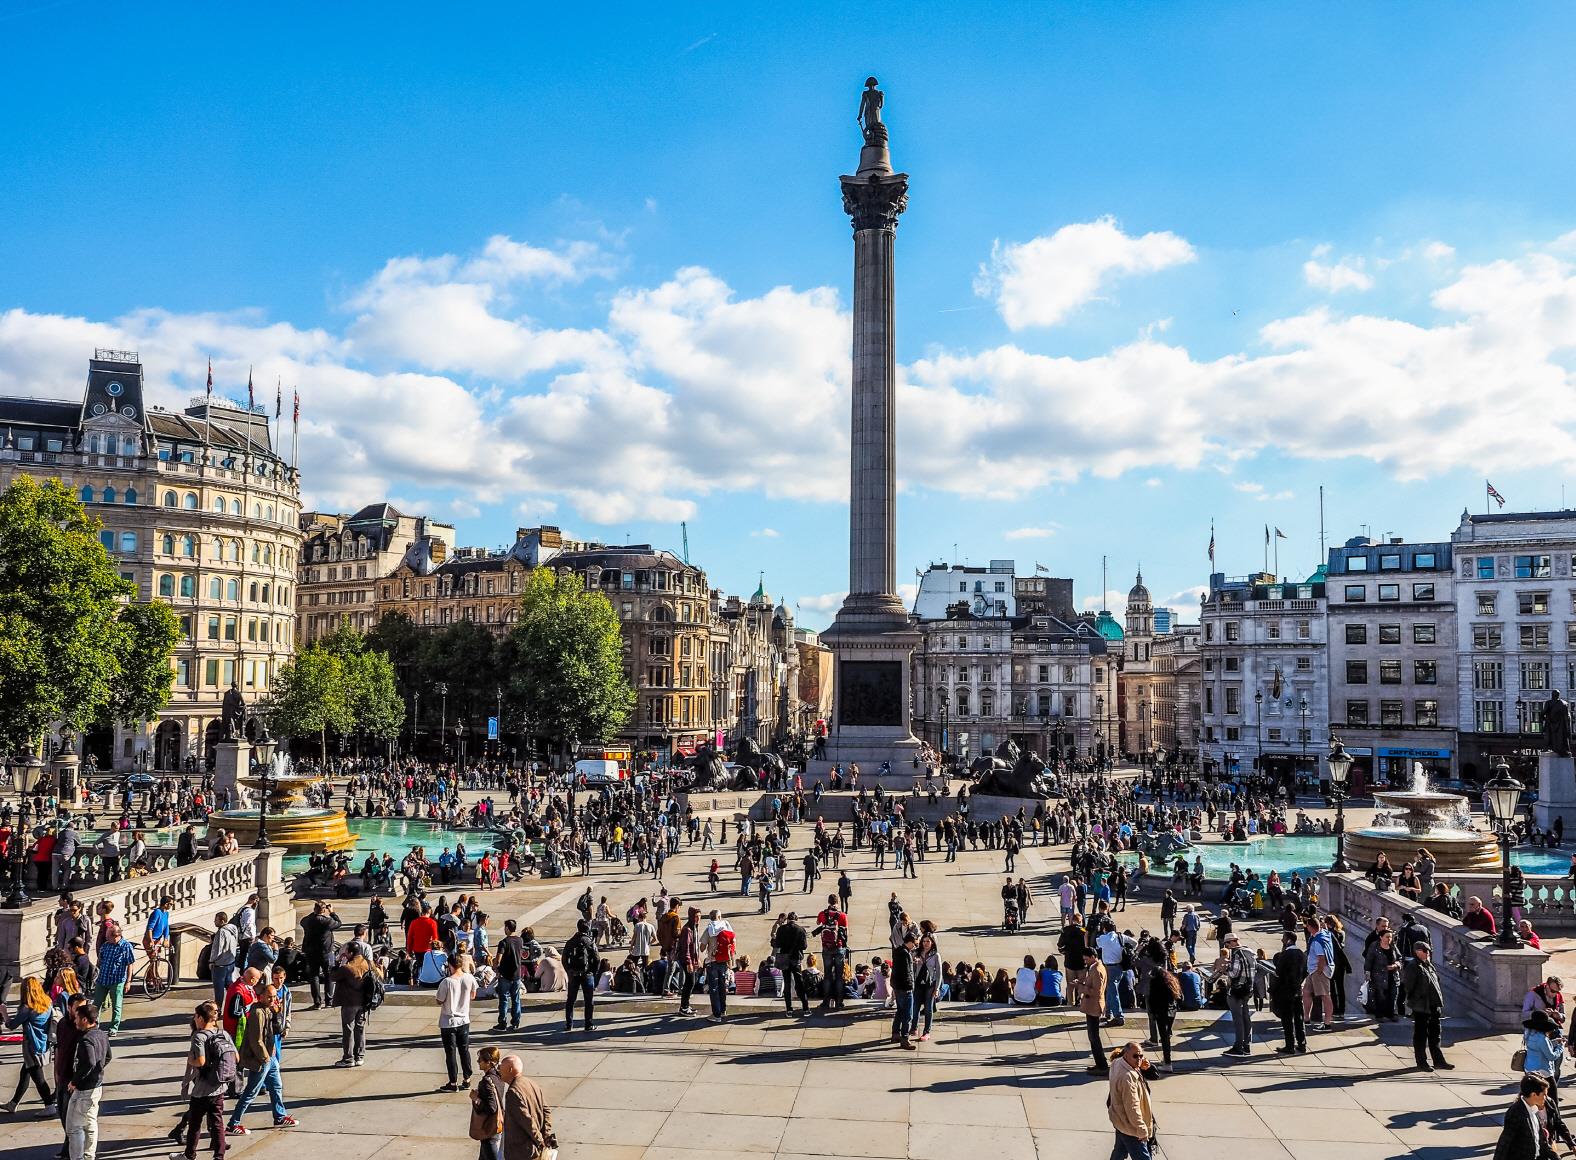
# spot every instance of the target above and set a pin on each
(872, 549)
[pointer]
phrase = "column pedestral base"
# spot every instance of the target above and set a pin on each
(1556, 792)
(232, 761)
(872, 643)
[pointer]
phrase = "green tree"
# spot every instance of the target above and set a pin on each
(376, 704)
(566, 662)
(72, 647)
(309, 696)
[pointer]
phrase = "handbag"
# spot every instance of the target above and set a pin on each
(484, 1126)
(1518, 1059)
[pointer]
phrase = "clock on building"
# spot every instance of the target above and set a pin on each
(114, 390)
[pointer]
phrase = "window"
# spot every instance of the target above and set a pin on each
(1209, 698)
(963, 702)
(170, 500)
(1535, 636)
(1489, 716)
(1356, 634)
(1486, 636)
(167, 586)
(1045, 672)
(1304, 629)
(1488, 675)
(1357, 563)
(229, 628)
(1425, 672)
(1273, 631)
(1390, 714)
(1422, 634)
(1233, 630)
(183, 672)
(1423, 591)
(1233, 733)
(1001, 586)
(128, 543)
(189, 501)
(189, 546)
(131, 496)
(1233, 700)
(1535, 675)
(1424, 560)
(1304, 664)
(86, 495)
(1389, 634)
(1532, 603)
(188, 586)
(1533, 567)
(1356, 593)
(1487, 603)
(213, 628)
(1233, 664)
(1274, 734)
(232, 590)
(1426, 713)
(1357, 712)
(211, 672)
(167, 544)
(1356, 672)
(1390, 672)
(1485, 568)
(216, 588)
(1389, 592)
(1390, 562)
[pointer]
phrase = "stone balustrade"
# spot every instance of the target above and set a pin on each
(196, 891)
(1482, 982)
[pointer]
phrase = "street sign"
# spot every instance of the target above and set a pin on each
(492, 729)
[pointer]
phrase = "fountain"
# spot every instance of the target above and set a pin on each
(300, 829)
(1421, 817)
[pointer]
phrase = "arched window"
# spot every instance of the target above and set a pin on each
(265, 593)
(215, 587)
(257, 511)
(232, 589)
(235, 551)
(93, 444)
(257, 552)
(252, 592)
(963, 702)
(109, 495)
(167, 586)
(170, 500)
(86, 495)
(128, 445)
(131, 496)
(189, 546)
(218, 548)
(218, 504)
(168, 544)
(268, 553)
(188, 587)
(235, 507)
(270, 511)
(189, 501)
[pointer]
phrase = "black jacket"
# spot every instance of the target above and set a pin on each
(1519, 1139)
(791, 940)
(902, 969)
(1291, 968)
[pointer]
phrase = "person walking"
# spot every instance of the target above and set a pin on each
(454, 996)
(114, 968)
(686, 958)
(509, 962)
(527, 1124)
(258, 1043)
(1321, 969)
(317, 945)
(832, 927)
(222, 950)
(211, 1058)
(580, 960)
(31, 1017)
(357, 990)
(487, 1105)
(90, 1057)
(1425, 999)
(1523, 1136)
(1163, 995)
(718, 943)
(1291, 968)
(1241, 967)
(1089, 986)
(1127, 1101)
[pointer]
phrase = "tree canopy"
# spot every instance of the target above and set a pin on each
(74, 645)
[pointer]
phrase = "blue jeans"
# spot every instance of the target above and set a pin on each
(222, 978)
(1130, 1148)
(1113, 994)
(266, 1076)
(926, 1003)
(509, 1002)
(717, 987)
(903, 1017)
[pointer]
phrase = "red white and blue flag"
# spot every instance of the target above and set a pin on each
(1493, 494)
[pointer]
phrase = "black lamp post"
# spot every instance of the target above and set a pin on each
(17, 898)
(264, 746)
(1258, 730)
(1340, 766)
(459, 744)
(1503, 796)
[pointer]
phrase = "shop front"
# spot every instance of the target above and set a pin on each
(1397, 764)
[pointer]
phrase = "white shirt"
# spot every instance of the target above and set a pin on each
(1026, 988)
(1110, 944)
(454, 999)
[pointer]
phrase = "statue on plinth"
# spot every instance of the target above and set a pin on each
(869, 116)
(1557, 725)
(233, 714)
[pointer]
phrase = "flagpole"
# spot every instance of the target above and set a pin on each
(295, 431)
(1323, 552)
(1277, 555)
(1104, 585)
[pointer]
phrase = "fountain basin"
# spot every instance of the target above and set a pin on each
(298, 830)
(1452, 849)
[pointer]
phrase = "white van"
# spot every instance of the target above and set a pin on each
(596, 771)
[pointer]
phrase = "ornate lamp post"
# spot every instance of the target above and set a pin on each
(1340, 766)
(1258, 728)
(17, 898)
(264, 747)
(459, 744)
(1503, 796)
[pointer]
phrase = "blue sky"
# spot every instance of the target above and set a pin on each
(1162, 264)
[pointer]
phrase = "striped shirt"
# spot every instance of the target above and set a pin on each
(114, 961)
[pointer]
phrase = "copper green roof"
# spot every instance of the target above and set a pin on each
(1105, 624)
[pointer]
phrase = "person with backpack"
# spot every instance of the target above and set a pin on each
(789, 944)
(1240, 971)
(832, 926)
(358, 991)
(718, 945)
(580, 963)
(509, 965)
(212, 1059)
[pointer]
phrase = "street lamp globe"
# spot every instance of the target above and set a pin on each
(1340, 763)
(1503, 794)
(264, 747)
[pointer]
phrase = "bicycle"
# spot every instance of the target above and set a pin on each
(159, 975)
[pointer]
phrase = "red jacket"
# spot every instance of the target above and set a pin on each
(421, 934)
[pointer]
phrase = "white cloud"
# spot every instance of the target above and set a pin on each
(1184, 601)
(464, 509)
(826, 603)
(1248, 486)
(1041, 281)
(1028, 534)
(1152, 481)
(1334, 277)
(1439, 252)
(1260, 493)
(766, 533)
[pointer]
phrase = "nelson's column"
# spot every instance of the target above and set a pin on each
(871, 637)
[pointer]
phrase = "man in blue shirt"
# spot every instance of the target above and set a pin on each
(114, 968)
(158, 930)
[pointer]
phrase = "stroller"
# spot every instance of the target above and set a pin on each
(617, 932)
(1009, 918)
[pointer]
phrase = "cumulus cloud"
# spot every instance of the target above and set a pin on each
(766, 533)
(1041, 281)
(1334, 277)
(1028, 534)
(826, 603)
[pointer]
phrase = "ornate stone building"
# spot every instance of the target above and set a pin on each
(755, 668)
(342, 559)
(200, 511)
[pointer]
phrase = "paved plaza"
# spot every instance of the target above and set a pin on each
(1005, 1083)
